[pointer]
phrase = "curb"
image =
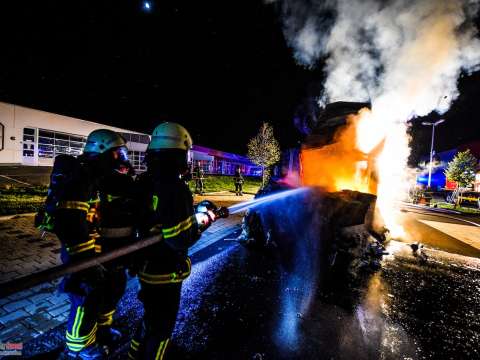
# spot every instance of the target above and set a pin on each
(15, 216)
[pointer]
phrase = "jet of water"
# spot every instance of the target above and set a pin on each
(264, 200)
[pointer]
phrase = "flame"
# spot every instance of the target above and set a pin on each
(369, 155)
(341, 165)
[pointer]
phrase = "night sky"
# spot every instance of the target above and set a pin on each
(218, 67)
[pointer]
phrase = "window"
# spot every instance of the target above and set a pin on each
(138, 138)
(53, 143)
(137, 159)
(28, 142)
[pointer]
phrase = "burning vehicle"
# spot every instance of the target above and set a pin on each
(328, 225)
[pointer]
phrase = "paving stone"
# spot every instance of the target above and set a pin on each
(19, 314)
(5, 300)
(62, 317)
(41, 322)
(20, 295)
(16, 305)
(49, 286)
(23, 236)
(58, 299)
(37, 307)
(9, 276)
(39, 297)
(59, 310)
(43, 246)
(9, 333)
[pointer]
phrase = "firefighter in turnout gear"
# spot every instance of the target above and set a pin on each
(238, 180)
(90, 200)
(170, 212)
(199, 176)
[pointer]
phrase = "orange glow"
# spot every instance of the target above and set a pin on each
(341, 165)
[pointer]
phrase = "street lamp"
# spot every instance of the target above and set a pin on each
(432, 124)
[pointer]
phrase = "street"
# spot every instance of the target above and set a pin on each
(450, 232)
(239, 303)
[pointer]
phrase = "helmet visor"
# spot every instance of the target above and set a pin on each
(121, 154)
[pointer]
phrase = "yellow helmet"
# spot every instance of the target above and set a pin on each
(102, 140)
(170, 135)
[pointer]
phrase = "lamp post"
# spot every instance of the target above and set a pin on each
(432, 124)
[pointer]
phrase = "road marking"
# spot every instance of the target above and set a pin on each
(429, 212)
(465, 233)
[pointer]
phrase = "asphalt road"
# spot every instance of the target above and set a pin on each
(455, 233)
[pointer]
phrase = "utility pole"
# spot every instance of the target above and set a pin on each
(432, 124)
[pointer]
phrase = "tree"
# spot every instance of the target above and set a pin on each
(263, 149)
(462, 170)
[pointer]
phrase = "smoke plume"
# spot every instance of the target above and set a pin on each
(404, 56)
(379, 48)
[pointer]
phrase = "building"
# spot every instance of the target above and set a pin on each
(30, 137)
(33, 138)
(221, 162)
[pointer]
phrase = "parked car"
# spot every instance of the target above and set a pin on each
(471, 198)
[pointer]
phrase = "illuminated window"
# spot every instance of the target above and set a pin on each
(28, 142)
(137, 159)
(53, 143)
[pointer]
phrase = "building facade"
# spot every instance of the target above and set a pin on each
(30, 137)
(221, 162)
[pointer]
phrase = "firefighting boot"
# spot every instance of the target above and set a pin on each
(93, 352)
(108, 338)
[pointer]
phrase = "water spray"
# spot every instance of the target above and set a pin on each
(264, 200)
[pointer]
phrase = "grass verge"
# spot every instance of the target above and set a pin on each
(462, 209)
(22, 200)
(225, 183)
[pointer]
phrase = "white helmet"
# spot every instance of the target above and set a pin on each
(170, 135)
(102, 140)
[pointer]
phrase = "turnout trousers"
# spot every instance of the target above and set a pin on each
(238, 189)
(160, 294)
(93, 303)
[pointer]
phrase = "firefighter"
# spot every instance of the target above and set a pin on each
(170, 213)
(91, 203)
(199, 176)
(238, 180)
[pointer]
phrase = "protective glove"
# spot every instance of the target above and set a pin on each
(204, 220)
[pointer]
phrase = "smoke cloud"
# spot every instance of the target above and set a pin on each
(404, 56)
(414, 50)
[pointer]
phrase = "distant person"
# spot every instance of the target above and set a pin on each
(238, 180)
(187, 176)
(199, 176)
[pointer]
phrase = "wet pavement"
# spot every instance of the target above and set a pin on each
(241, 304)
(456, 233)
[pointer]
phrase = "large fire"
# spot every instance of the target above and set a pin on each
(343, 164)
(364, 156)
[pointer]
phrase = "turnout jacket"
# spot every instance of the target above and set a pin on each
(168, 210)
(92, 214)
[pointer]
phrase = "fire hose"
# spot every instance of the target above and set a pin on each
(40, 277)
(25, 282)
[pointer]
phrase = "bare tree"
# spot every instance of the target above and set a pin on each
(264, 150)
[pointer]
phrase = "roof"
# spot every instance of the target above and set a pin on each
(221, 154)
